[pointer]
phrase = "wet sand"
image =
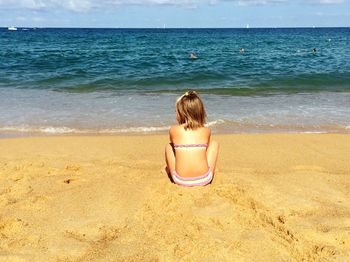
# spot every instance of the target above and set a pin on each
(275, 197)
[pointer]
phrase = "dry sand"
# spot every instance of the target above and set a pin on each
(279, 197)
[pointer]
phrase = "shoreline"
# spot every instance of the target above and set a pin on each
(15, 135)
(114, 114)
(89, 198)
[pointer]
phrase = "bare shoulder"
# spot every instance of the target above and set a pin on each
(174, 131)
(206, 131)
(204, 134)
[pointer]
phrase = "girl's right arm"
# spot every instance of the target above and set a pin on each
(209, 134)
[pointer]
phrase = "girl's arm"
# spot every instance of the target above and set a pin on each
(171, 134)
(209, 135)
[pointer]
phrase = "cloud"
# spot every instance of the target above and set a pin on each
(258, 2)
(74, 5)
(27, 4)
(78, 5)
(265, 2)
(326, 2)
(86, 5)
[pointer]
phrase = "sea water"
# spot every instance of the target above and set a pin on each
(55, 81)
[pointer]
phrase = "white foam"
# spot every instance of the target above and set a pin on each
(134, 130)
(58, 130)
(67, 130)
(216, 122)
(47, 130)
(314, 132)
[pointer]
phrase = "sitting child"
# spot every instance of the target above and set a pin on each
(191, 155)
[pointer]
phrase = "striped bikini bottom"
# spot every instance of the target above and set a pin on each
(193, 181)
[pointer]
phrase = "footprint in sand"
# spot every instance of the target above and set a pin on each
(10, 227)
(13, 194)
(16, 177)
(89, 241)
(74, 168)
(324, 250)
(93, 233)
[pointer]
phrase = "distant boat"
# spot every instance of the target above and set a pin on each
(247, 26)
(12, 28)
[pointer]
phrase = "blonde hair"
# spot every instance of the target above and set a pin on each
(190, 110)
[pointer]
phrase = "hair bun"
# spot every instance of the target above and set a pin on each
(191, 93)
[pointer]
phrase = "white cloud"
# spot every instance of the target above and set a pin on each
(85, 5)
(259, 2)
(264, 2)
(28, 4)
(78, 5)
(327, 2)
(74, 5)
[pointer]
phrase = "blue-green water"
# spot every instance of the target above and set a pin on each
(116, 80)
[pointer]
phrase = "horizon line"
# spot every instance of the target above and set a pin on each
(263, 27)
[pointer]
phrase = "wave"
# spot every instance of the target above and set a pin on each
(215, 122)
(215, 85)
(134, 130)
(67, 130)
(45, 130)
(219, 126)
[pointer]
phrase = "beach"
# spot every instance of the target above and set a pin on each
(275, 197)
(83, 126)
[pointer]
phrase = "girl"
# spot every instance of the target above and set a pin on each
(191, 155)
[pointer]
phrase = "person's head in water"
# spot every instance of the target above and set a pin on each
(242, 50)
(193, 55)
(314, 50)
(190, 111)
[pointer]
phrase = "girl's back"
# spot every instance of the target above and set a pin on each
(190, 148)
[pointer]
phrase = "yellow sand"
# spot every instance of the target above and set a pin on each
(274, 198)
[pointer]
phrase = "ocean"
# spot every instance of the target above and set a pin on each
(111, 81)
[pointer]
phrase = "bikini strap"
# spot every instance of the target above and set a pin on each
(190, 145)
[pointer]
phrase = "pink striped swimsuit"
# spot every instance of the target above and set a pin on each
(190, 146)
(192, 181)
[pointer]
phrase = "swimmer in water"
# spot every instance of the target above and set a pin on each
(242, 50)
(193, 56)
(314, 50)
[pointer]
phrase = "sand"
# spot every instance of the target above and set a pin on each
(283, 197)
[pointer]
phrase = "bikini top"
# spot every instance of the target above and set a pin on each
(190, 146)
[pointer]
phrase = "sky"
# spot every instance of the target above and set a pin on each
(174, 14)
